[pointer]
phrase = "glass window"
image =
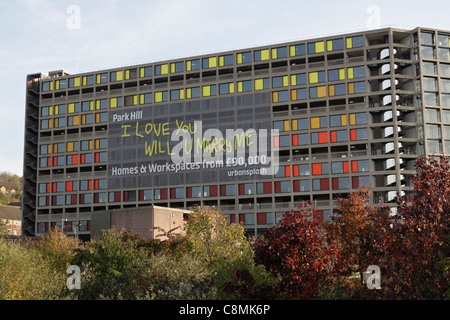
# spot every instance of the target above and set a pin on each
(427, 38)
(46, 86)
(297, 50)
(432, 115)
(304, 170)
(279, 53)
(431, 99)
(433, 131)
(445, 85)
(446, 116)
(298, 79)
(304, 185)
(444, 69)
(245, 57)
(429, 67)
(361, 118)
(146, 72)
(428, 52)
(360, 87)
(361, 134)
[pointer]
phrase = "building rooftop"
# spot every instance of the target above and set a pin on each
(10, 212)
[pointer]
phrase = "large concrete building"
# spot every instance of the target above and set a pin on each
(351, 110)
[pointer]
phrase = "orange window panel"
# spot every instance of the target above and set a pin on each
(295, 140)
(295, 170)
(287, 171)
(333, 136)
(331, 91)
(353, 134)
(354, 166)
(276, 142)
(351, 88)
(275, 96)
(321, 91)
(316, 169)
(293, 95)
(345, 166)
(323, 137)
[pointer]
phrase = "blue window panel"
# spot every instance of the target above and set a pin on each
(321, 76)
(300, 50)
(281, 52)
(312, 93)
(195, 64)
(360, 87)
(228, 60)
(361, 134)
(304, 170)
(333, 75)
(302, 124)
(304, 186)
(246, 57)
(341, 136)
(277, 82)
(358, 42)
(339, 90)
(279, 125)
(285, 141)
(361, 118)
(311, 47)
(224, 88)
(359, 72)
(338, 44)
(303, 139)
(283, 96)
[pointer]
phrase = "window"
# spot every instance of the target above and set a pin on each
(244, 86)
(176, 95)
(279, 53)
(298, 79)
(210, 90)
(262, 55)
(304, 170)
(146, 98)
(339, 136)
(300, 139)
(428, 67)
(246, 189)
(360, 166)
(193, 93)
(161, 96)
(264, 187)
(336, 44)
(339, 167)
(320, 168)
(444, 69)
(427, 38)
(282, 125)
(47, 86)
(102, 78)
(283, 186)
(316, 47)
(300, 124)
(176, 193)
(297, 50)
(302, 186)
(145, 72)
(226, 60)
(299, 94)
(341, 183)
(338, 120)
(245, 57)
(336, 74)
(445, 85)
(115, 102)
(145, 195)
(278, 82)
(432, 115)
(74, 82)
(161, 69)
(261, 84)
(192, 65)
(280, 96)
(354, 42)
(228, 190)
(101, 104)
(319, 137)
(116, 76)
(318, 122)
(316, 77)
(318, 92)
(321, 184)
(210, 62)
(176, 67)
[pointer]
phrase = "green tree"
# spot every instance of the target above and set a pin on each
(25, 274)
(219, 246)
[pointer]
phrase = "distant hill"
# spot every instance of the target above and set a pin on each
(11, 186)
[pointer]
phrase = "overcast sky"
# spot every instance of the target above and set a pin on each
(85, 35)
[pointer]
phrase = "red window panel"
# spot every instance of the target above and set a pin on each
(97, 157)
(49, 162)
(223, 190)
(89, 225)
(241, 189)
(295, 140)
(318, 215)
(324, 184)
(172, 193)
(46, 226)
(232, 218)
(261, 218)
(267, 187)
(82, 158)
(355, 182)
(117, 196)
(276, 142)
(353, 134)
(68, 226)
(81, 198)
(96, 184)
(295, 170)
(48, 187)
(287, 171)
(213, 191)
(90, 185)
(354, 166)
(296, 186)
(53, 201)
(97, 198)
(53, 225)
(277, 187)
(125, 196)
(55, 161)
(73, 199)
(345, 166)
(242, 218)
(316, 169)
(75, 159)
(54, 187)
(323, 137)
(189, 192)
(69, 186)
(333, 136)
(335, 182)
(164, 194)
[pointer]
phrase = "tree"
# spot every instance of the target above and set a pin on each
(295, 251)
(419, 246)
(360, 231)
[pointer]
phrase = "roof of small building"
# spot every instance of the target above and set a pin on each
(10, 212)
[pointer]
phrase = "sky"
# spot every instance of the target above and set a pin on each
(85, 35)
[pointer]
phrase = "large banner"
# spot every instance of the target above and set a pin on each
(205, 141)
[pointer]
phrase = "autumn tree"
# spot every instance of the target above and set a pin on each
(419, 246)
(297, 252)
(360, 230)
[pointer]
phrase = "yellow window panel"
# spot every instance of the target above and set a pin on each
(76, 120)
(188, 93)
(239, 58)
(294, 125)
(56, 124)
(265, 54)
(240, 86)
(286, 125)
(275, 96)
(320, 46)
(76, 82)
(315, 123)
(181, 94)
(350, 73)
(285, 81)
(83, 119)
(352, 119)
(98, 78)
(56, 110)
(119, 76)
(313, 77)
(329, 45)
(165, 68)
(113, 103)
(91, 105)
(135, 100)
(342, 74)
(91, 143)
(221, 61)
(274, 54)
(231, 87)
(292, 51)
(127, 74)
(49, 149)
(188, 65)
(69, 147)
(84, 81)
(344, 120)
(321, 91)
(259, 84)
(349, 43)
(55, 148)
(70, 108)
(158, 97)
(57, 85)
(97, 118)
(172, 68)
(97, 144)
(206, 91)
(293, 80)
(351, 88)
(293, 95)
(331, 91)
(212, 62)
(141, 73)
